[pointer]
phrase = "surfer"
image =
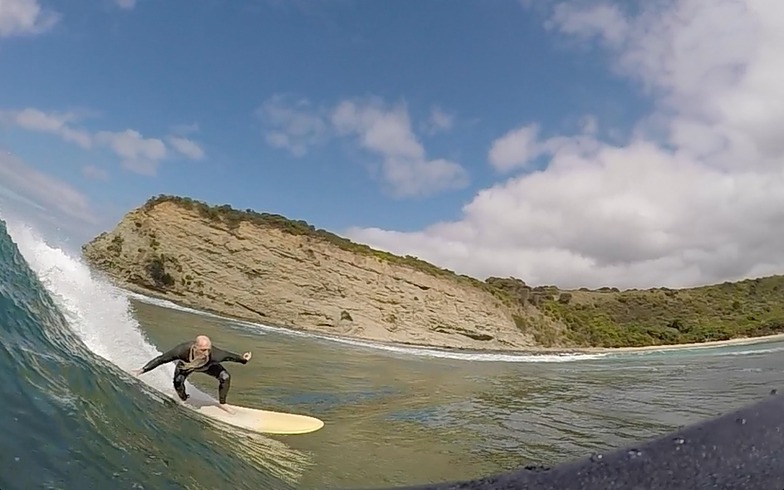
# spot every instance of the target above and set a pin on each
(198, 356)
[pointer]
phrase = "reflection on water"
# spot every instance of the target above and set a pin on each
(393, 419)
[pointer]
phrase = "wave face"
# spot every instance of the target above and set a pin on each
(74, 418)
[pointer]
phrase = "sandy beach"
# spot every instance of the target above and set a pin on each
(694, 345)
(588, 350)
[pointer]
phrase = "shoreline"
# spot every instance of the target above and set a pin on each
(586, 350)
(691, 345)
(411, 345)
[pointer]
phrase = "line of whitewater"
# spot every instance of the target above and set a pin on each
(510, 357)
(367, 344)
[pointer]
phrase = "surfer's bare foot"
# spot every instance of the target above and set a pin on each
(225, 408)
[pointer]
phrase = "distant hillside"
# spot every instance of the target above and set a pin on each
(748, 308)
(267, 268)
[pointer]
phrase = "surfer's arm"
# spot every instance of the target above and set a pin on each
(177, 352)
(220, 355)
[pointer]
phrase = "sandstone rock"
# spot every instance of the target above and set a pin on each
(278, 272)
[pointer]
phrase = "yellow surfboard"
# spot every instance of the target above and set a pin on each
(257, 420)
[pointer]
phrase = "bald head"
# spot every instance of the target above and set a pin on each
(203, 342)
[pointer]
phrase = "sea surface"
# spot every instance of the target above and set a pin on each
(74, 418)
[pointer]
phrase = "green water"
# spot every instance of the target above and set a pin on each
(399, 419)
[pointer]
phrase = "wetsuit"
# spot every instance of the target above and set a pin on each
(212, 367)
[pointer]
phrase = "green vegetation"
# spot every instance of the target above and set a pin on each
(605, 317)
(749, 308)
(116, 246)
(156, 269)
(608, 317)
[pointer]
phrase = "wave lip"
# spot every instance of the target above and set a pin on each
(96, 311)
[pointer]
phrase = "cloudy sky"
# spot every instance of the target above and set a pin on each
(576, 142)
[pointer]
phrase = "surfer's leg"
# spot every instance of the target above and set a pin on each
(179, 382)
(224, 381)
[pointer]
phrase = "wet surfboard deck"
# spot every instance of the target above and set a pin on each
(258, 420)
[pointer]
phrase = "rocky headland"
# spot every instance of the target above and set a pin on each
(267, 269)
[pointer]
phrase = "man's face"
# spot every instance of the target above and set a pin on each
(202, 348)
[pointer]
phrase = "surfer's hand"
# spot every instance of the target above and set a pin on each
(136, 372)
(246, 356)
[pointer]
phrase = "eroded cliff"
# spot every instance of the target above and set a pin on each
(267, 269)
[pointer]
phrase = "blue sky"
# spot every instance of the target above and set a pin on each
(487, 66)
(381, 120)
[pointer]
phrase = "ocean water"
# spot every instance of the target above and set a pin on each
(74, 418)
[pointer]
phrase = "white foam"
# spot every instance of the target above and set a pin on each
(432, 352)
(754, 352)
(97, 312)
(164, 303)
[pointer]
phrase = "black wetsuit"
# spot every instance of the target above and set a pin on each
(212, 367)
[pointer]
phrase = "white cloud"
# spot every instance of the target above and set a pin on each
(519, 146)
(387, 132)
(93, 172)
(36, 189)
(25, 17)
(187, 147)
(138, 153)
(292, 125)
(603, 20)
(126, 4)
(515, 149)
(54, 123)
(60, 212)
(295, 125)
(439, 121)
(693, 197)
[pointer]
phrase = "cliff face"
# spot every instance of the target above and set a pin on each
(268, 274)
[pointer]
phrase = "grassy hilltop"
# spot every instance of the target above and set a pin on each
(605, 317)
